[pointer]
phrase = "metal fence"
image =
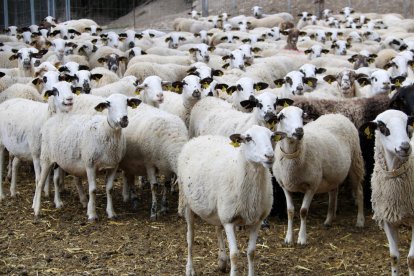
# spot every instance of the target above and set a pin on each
(26, 12)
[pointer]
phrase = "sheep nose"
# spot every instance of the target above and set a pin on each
(210, 94)
(270, 156)
(405, 146)
(270, 117)
(114, 68)
(94, 34)
(124, 121)
(298, 133)
(131, 44)
(65, 37)
(196, 94)
(242, 67)
(207, 58)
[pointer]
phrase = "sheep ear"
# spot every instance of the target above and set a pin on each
(250, 103)
(302, 33)
(278, 136)
(2, 74)
(260, 86)
(410, 121)
(101, 60)
(65, 77)
(279, 82)
(397, 80)
(320, 70)
(101, 106)
(329, 78)
(133, 102)
(283, 102)
(312, 82)
(96, 76)
(206, 81)
(230, 90)
(166, 85)
(13, 57)
(389, 65)
(368, 130)
(225, 65)
(168, 39)
(225, 57)
(308, 51)
(211, 48)
(222, 86)
(256, 49)
(49, 93)
(217, 73)
(35, 81)
(76, 90)
(63, 69)
(192, 50)
(177, 87)
(363, 81)
(83, 67)
(352, 59)
(236, 139)
(325, 51)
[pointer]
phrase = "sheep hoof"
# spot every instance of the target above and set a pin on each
(222, 264)
(190, 272)
(359, 224)
(36, 219)
(93, 218)
(302, 243)
(153, 217)
(113, 217)
(265, 224)
(327, 224)
(288, 243)
(59, 205)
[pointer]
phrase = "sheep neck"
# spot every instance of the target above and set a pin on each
(393, 166)
(290, 148)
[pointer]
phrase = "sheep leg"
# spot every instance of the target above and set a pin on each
(231, 238)
(392, 235)
(222, 256)
(46, 168)
(290, 212)
(125, 186)
(91, 212)
(307, 199)
(15, 167)
(254, 232)
(129, 191)
(360, 203)
(56, 176)
(46, 189)
(410, 258)
(333, 199)
(2, 149)
(164, 202)
(109, 185)
(189, 217)
(153, 181)
(9, 167)
(82, 197)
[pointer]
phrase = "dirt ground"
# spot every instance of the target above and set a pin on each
(64, 242)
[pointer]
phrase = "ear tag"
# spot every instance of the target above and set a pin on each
(397, 83)
(133, 105)
(310, 83)
(368, 133)
(363, 83)
(77, 92)
(235, 144)
(278, 85)
(206, 85)
(271, 126)
(99, 109)
(46, 97)
(329, 81)
(285, 104)
(277, 138)
(177, 89)
(138, 91)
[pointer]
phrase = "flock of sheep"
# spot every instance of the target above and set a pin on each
(219, 106)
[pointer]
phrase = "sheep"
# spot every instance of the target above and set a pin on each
(216, 117)
(96, 142)
(24, 57)
(5, 61)
(392, 179)
(135, 51)
(126, 85)
(19, 90)
(154, 140)
(270, 21)
(304, 163)
(182, 105)
(293, 84)
(107, 77)
(151, 90)
(22, 139)
(128, 38)
(179, 60)
(240, 195)
(380, 82)
(102, 52)
(168, 72)
(316, 51)
(162, 51)
(346, 82)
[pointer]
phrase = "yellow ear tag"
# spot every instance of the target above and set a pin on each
(363, 83)
(177, 89)
(368, 133)
(46, 97)
(277, 138)
(285, 104)
(397, 83)
(310, 83)
(138, 91)
(133, 106)
(224, 89)
(278, 85)
(205, 86)
(77, 92)
(235, 144)
(257, 87)
(271, 126)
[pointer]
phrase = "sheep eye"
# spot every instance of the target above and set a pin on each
(248, 138)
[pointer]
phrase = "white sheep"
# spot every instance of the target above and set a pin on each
(179, 60)
(393, 178)
(239, 195)
(317, 158)
(107, 77)
(127, 86)
(19, 90)
(168, 72)
(96, 142)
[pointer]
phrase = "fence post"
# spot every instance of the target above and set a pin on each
(6, 14)
(204, 7)
(53, 8)
(349, 3)
(290, 6)
(67, 9)
(406, 6)
(135, 5)
(234, 7)
(32, 12)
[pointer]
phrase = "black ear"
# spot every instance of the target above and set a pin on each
(63, 69)
(2, 74)
(49, 93)
(283, 102)
(133, 102)
(308, 51)
(222, 86)
(96, 76)
(397, 80)
(225, 66)
(236, 139)
(363, 81)
(101, 106)
(368, 130)
(329, 78)
(389, 65)
(83, 67)
(250, 103)
(177, 86)
(260, 85)
(217, 73)
(279, 82)
(320, 70)
(231, 89)
(102, 60)
(311, 82)
(325, 51)
(35, 81)
(206, 81)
